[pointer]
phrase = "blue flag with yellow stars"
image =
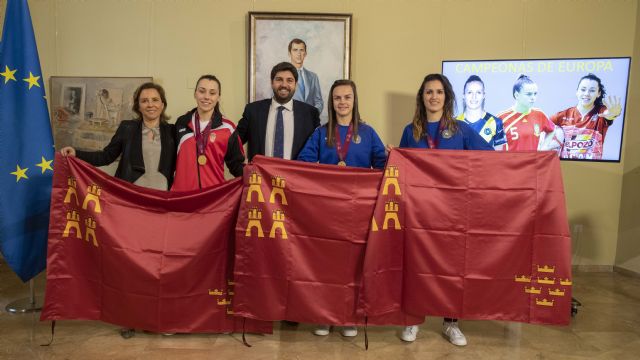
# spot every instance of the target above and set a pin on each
(26, 147)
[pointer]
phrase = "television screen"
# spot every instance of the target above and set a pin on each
(573, 106)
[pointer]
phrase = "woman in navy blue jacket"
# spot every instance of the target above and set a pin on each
(345, 140)
(434, 127)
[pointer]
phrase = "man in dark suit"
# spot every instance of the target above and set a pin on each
(280, 126)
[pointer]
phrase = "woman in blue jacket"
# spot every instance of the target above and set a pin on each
(434, 127)
(345, 140)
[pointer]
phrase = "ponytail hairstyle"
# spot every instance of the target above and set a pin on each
(333, 118)
(216, 109)
(522, 79)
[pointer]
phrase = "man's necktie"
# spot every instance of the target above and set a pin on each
(301, 83)
(278, 135)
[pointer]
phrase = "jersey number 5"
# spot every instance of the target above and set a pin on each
(514, 133)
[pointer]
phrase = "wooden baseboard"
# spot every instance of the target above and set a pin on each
(592, 268)
(626, 272)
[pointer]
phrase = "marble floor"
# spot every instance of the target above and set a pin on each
(607, 326)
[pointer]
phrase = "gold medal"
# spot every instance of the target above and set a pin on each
(342, 163)
(446, 133)
(202, 160)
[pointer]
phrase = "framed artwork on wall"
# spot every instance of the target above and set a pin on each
(86, 111)
(318, 44)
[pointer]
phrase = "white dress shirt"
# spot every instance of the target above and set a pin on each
(287, 116)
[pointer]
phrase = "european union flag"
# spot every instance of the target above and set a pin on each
(26, 147)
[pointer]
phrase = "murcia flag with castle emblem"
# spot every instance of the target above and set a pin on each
(300, 243)
(141, 258)
(470, 235)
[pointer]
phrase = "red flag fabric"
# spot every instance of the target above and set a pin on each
(471, 235)
(141, 258)
(300, 241)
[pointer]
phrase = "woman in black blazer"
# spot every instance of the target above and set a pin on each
(147, 144)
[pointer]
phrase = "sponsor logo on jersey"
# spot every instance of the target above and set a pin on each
(581, 143)
(578, 144)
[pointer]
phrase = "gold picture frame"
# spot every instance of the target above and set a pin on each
(328, 48)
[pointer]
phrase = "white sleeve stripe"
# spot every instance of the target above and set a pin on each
(226, 125)
(183, 139)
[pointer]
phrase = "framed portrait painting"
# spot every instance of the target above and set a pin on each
(86, 111)
(319, 45)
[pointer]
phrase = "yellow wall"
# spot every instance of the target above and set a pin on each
(395, 43)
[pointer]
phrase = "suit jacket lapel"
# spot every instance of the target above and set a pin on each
(137, 160)
(297, 117)
(306, 84)
(263, 116)
(165, 143)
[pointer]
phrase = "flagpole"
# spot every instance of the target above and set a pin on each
(26, 305)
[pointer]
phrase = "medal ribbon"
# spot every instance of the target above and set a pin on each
(201, 137)
(433, 143)
(342, 151)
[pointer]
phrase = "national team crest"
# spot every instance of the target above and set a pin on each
(487, 131)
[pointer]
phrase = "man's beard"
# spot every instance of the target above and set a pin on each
(283, 100)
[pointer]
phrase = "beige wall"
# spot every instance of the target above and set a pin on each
(395, 43)
(628, 254)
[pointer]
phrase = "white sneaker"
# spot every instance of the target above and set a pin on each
(322, 330)
(349, 331)
(451, 331)
(409, 333)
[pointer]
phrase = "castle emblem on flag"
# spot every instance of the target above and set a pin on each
(90, 224)
(391, 209)
(255, 216)
(255, 181)
(391, 174)
(71, 191)
(276, 196)
(390, 187)
(278, 184)
(73, 215)
(73, 223)
(278, 223)
(92, 197)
